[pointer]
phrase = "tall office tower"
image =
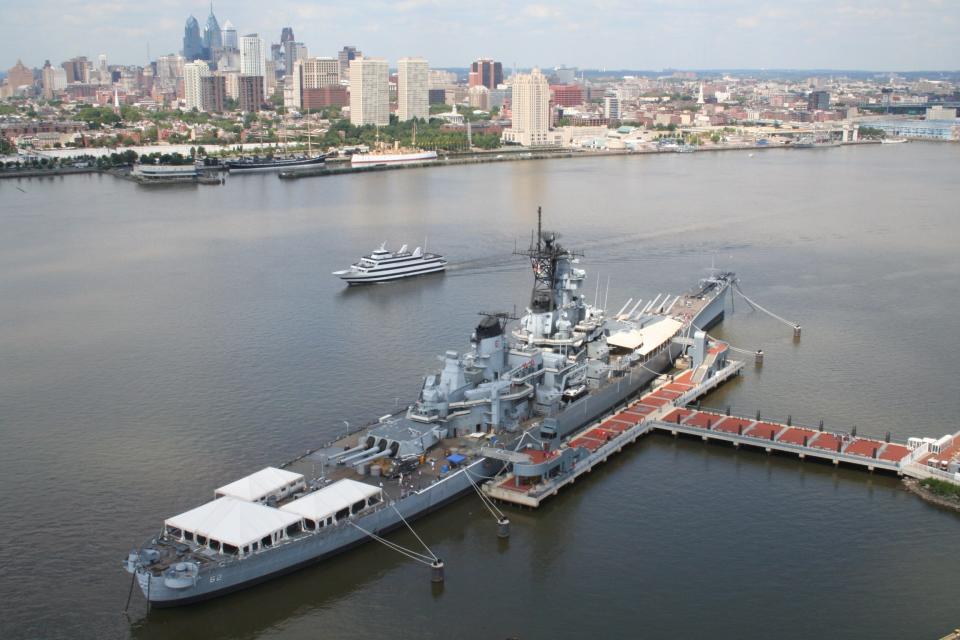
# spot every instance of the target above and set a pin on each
(293, 51)
(47, 80)
(316, 83)
(192, 42)
(818, 101)
(345, 56)
(229, 36)
(286, 35)
(213, 91)
(486, 72)
(212, 36)
(413, 93)
(19, 75)
(252, 60)
(169, 69)
(611, 107)
(192, 90)
(531, 110)
(369, 91)
(78, 69)
(250, 90)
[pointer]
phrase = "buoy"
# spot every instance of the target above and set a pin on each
(796, 331)
(789, 421)
(759, 358)
(503, 528)
(436, 571)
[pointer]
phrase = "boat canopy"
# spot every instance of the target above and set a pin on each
(330, 500)
(647, 339)
(266, 483)
(230, 521)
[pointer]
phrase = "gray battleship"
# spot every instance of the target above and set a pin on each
(562, 365)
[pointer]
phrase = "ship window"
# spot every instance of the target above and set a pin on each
(309, 525)
(188, 535)
(230, 549)
(293, 529)
(266, 542)
(343, 513)
(329, 521)
(215, 545)
(201, 540)
(358, 506)
(255, 545)
(173, 531)
(246, 550)
(373, 500)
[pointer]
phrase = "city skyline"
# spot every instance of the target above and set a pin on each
(879, 35)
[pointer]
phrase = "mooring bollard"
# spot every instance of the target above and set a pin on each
(759, 358)
(796, 331)
(503, 528)
(436, 571)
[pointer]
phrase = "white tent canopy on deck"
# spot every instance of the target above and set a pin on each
(648, 339)
(327, 502)
(245, 526)
(263, 484)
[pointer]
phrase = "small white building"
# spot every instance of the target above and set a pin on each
(263, 485)
(231, 526)
(331, 504)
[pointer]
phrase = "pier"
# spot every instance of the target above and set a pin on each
(666, 408)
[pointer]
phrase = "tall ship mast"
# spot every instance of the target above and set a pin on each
(539, 379)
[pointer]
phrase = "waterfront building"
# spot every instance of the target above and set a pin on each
(531, 111)
(253, 61)
(369, 92)
(192, 89)
(192, 42)
(229, 36)
(940, 112)
(250, 92)
(486, 72)
(345, 56)
(818, 101)
(947, 130)
(413, 98)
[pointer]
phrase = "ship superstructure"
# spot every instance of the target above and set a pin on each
(563, 364)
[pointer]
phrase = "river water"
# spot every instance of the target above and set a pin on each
(158, 343)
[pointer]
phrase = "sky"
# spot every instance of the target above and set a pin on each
(882, 35)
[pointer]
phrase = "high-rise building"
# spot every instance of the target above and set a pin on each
(818, 101)
(213, 92)
(250, 90)
(413, 93)
(486, 72)
(293, 51)
(192, 86)
(252, 59)
(19, 75)
(611, 107)
(286, 35)
(345, 56)
(212, 36)
(479, 97)
(78, 69)
(567, 95)
(531, 110)
(229, 36)
(565, 75)
(169, 70)
(47, 80)
(192, 42)
(369, 91)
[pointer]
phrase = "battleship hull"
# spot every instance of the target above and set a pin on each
(219, 578)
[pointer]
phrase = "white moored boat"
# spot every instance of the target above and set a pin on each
(383, 265)
(373, 159)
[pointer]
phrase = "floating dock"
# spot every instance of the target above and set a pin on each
(665, 408)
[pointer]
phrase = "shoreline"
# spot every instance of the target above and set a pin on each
(913, 486)
(484, 157)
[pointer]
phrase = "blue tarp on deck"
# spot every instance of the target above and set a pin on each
(456, 458)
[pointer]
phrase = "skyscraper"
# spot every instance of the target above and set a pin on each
(193, 72)
(345, 56)
(531, 110)
(229, 36)
(486, 72)
(413, 94)
(313, 83)
(212, 37)
(293, 51)
(192, 42)
(252, 59)
(286, 35)
(19, 75)
(369, 91)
